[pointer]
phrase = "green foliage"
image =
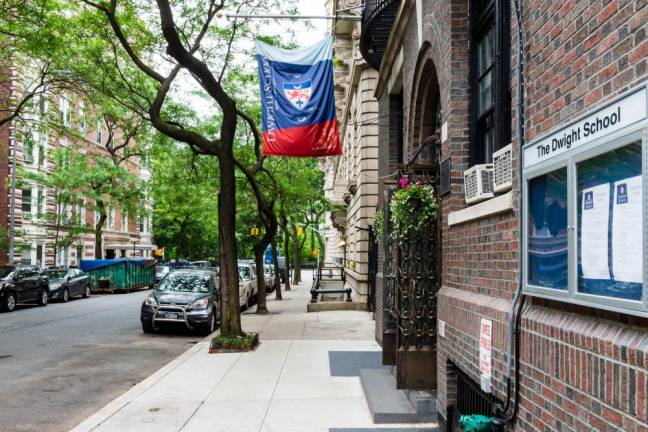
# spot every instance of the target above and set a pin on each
(247, 342)
(379, 223)
(185, 195)
(412, 209)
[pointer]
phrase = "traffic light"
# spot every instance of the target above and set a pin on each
(255, 231)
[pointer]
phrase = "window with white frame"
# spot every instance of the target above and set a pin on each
(124, 220)
(62, 256)
(40, 255)
(26, 200)
(29, 145)
(81, 116)
(42, 148)
(96, 217)
(99, 129)
(80, 212)
(585, 206)
(42, 104)
(41, 201)
(66, 111)
(111, 218)
(26, 256)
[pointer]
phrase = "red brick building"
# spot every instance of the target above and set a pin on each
(448, 93)
(33, 139)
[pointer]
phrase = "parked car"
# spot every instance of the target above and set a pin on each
(190, 297)
(269, 277)
(203, 264)
(160, 272)
(68, 282)
(247, 269)
(23, 284)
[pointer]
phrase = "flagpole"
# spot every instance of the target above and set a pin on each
(324, 17)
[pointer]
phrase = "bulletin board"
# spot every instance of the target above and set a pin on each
(585, 206)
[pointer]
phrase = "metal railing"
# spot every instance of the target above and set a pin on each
(378, 17)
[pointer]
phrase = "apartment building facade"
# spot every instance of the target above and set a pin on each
(560, 249)
(29, 145)
(351, 182)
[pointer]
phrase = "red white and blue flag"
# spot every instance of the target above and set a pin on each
(297, 100)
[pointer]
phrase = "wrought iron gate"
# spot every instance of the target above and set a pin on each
(373, 269)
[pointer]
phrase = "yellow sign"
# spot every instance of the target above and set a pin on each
(159, 253)
(255, 231)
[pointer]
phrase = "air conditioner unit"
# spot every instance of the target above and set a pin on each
(503, 169)
(478, 183)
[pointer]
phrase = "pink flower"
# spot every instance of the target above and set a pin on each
(403, 183)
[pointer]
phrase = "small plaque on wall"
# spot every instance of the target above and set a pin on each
(445, 176)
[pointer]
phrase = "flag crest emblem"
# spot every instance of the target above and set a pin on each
(298, 94)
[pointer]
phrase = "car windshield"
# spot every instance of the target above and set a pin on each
(6, 272)
(185, 282)
(56, 274)
(245, 272)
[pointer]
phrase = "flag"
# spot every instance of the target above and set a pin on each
(297, 100)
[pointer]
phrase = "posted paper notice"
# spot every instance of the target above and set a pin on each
(627, 230)
(594, 232)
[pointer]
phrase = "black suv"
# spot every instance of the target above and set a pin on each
(23, 284)
(189, 297)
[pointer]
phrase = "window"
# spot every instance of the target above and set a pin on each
(96, 217)
(490, 119)
(99, 137)
(66, 111)
(28, 147)
(25, 256)
(40, 256)
(42, 148)
(42, 103)
(111, 218)
(80, 212)
(40, 201)
(27, 200)
(141, 223)
(79, 253)
(81, 116)
(124, 220)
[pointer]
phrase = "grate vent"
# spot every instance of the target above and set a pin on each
(503, 169)
(478, 183)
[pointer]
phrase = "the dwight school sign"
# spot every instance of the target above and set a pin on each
(624, 112)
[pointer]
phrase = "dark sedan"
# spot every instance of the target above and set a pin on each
(65, 283)
(190, 297)
(23, 284)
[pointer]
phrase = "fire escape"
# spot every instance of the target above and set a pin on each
(378, 18)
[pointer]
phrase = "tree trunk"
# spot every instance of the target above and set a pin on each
(275, 263)
(287, 256)
(297, 252)
(229, 278)
(259, 249)
(101, 207)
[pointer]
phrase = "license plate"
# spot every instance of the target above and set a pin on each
(169, 315)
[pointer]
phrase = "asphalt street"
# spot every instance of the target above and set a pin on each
(61, 363)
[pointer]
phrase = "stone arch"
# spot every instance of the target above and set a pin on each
(425, 107)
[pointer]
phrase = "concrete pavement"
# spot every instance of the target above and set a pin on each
(303, 377)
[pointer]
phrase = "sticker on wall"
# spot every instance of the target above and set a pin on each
(442, 328)
(485, 351)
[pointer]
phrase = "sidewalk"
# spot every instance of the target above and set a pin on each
(303, 377)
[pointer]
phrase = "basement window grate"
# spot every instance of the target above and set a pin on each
(471, 399)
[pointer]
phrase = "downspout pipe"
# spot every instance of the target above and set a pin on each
(514, 319)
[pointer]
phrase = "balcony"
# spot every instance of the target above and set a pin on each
(377, 20)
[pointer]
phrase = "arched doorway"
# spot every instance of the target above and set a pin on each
(418, 257)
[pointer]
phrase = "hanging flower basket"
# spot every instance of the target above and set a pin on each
(413, 208)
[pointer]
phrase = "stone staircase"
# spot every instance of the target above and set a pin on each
(387, 404)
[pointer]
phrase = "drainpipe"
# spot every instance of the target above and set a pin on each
(514, 318)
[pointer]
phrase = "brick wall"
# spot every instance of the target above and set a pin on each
(583, 369)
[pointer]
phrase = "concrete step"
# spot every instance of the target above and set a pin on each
(390, 405)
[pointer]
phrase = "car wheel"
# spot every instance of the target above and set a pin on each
(147, 327)
(65, 296)
(42, 298)
(10, 302)
(86, 291)
(210, 327)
